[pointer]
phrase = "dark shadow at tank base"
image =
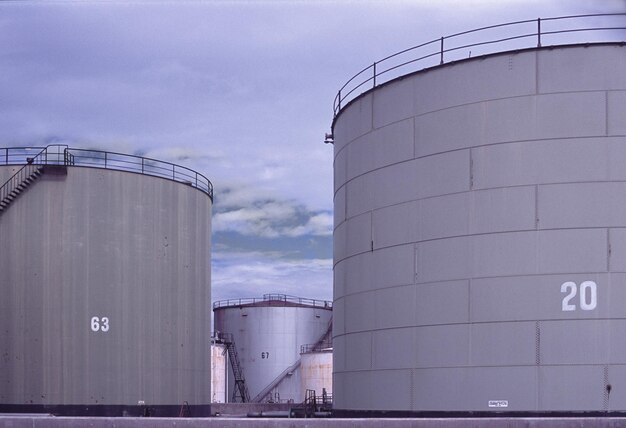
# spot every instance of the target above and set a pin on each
(376, 414)
(162, 411)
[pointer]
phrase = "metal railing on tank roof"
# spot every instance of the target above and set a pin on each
(107, 160)
(317, 347)
(510, 36)
(271, 298)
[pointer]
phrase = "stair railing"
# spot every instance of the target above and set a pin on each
(32, 165)
(278, 379)
(316, 346)
(240, 382)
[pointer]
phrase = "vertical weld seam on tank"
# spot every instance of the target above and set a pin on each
(537, 207)
(471, 169)
(606, 113)
(608, 249)
(537, 343)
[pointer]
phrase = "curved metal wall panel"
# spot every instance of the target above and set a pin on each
(105, 283)
(480, 236)
(268, 340)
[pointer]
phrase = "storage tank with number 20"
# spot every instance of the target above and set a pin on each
(480, 227)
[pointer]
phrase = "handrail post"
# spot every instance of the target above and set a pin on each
(142, 159)
(374, 85)
(441, 52)
(338, 100)
(105, 160)
(538, 32)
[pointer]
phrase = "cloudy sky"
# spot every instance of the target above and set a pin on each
(240, 91)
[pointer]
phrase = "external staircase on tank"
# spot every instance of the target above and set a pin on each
(324, 341)
(54, 156)
(240, 393)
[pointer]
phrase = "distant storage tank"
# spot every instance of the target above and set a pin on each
(219, 365)
(267, 334)
(317, 371)
(480, 236)
(105, 284)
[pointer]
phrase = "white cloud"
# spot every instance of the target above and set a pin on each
(254, 274)
(261, 220)
(273, 219)
(320, 224)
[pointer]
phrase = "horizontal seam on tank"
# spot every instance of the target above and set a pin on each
(369, 132)
(439, 281)
(529, 95)
(401, 162)
(414, 243)
(603, 137)
(468, 366)
(413, 200)
(408, 284)
(484, 189)
(503, 232)
(603, 91)
(470, 323)
(457, 279)
(532, 140)
(438, 196)
(477, 189)
(480, 189)
(486, 366)
(522, 275)
(513, 97)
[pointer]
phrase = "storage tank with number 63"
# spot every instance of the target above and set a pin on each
(105, 284)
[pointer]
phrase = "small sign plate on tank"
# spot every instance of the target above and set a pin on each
(498, 403)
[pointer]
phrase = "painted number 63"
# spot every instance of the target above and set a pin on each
(588, 296)
(100, 324)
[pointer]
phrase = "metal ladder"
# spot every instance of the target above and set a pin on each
(240, 393)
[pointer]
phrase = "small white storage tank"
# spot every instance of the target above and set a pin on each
(266, 334)
(218, 372)
(317, 371)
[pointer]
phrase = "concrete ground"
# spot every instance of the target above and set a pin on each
(43, 421)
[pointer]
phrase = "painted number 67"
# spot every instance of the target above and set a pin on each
(588, 296)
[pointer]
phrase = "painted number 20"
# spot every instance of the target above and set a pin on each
(588, 296)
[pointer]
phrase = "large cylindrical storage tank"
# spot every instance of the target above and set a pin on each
(267, 334)
(105, 284)
(480, 237)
